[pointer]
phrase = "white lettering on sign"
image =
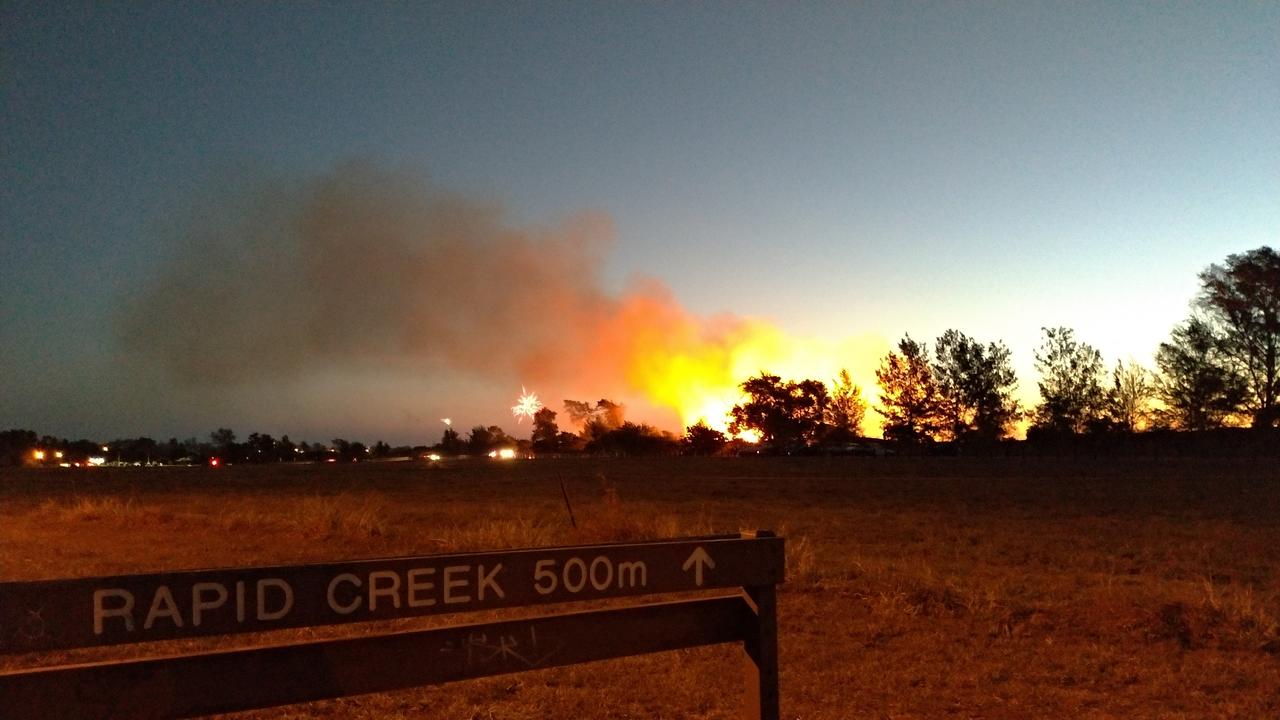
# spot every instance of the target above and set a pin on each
(162, 605)
(633, 574)
(572, 567)
(102, 612)
(274, 597)
(383, 583)
(596, 582)
(601, 573)
(415, 588)
(450, 583)
(285, 606)
(333, 602)
(199, 603)
(425, 586)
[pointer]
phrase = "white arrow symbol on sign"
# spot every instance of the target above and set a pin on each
(698, 560)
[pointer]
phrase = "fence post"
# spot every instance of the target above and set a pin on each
(761, 664)
(762, 657)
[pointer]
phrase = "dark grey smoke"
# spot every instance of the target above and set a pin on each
(367, 269)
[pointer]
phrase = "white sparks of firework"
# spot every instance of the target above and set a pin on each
(447, 421)
(526, 406)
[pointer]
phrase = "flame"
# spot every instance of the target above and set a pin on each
(695, 366)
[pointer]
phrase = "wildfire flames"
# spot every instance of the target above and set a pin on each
(694, 366)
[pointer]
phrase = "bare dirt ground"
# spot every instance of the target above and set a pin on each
(918, 588)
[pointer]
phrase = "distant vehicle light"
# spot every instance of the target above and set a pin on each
(214, 462)
(38, 455)
(506, 454)
(97, 461)
(433, 457)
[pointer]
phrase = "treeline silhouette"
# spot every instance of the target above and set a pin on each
(1216, 372)
(1214, 376)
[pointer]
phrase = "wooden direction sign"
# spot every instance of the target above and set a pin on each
(47, 615)
(59, 614)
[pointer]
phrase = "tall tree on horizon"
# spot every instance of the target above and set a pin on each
(1197, 383)
(846, 409)
(909, 398)
(784, 413)
(1129, 396)
(546, 433)
(976, 383)
(1241, 300)
(1071, 395)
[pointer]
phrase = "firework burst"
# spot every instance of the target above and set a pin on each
(526, 406)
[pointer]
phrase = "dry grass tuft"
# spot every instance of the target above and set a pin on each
(496, 535)
(611, 520)
(84, 508)
(802, 563)
(341, 516)
(106, 508)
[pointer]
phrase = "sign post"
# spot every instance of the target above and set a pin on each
(61, 614)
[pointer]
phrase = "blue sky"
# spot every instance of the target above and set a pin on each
(839, 169)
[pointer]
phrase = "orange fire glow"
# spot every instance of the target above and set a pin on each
(694, 366)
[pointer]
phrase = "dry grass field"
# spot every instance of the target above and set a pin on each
(918, 588)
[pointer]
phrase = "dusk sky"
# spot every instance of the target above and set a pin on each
(843, 173)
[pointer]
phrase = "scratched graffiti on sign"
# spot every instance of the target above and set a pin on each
(525, 649)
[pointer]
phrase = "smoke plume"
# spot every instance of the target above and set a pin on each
(366, 269)
(379, 274)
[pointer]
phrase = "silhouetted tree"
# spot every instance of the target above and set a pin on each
(546, 434)
(846, 409)
(1071, 395)
(569, 442)
(1129, 397)
(909, 399)
(223, 439)
(483, 439)
(285, 449)
(262, 447)
(1198, 384)
(976, 383)
(135, 450)
(579, 411)
(701, 439)
(16, 445)
(597, 419)
(784, 413)
(632, 439)
(479, 440)
(197, 450)
(380, 449)
(171, 451)
(451, 443)
(609, 412)
(1241, 302)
